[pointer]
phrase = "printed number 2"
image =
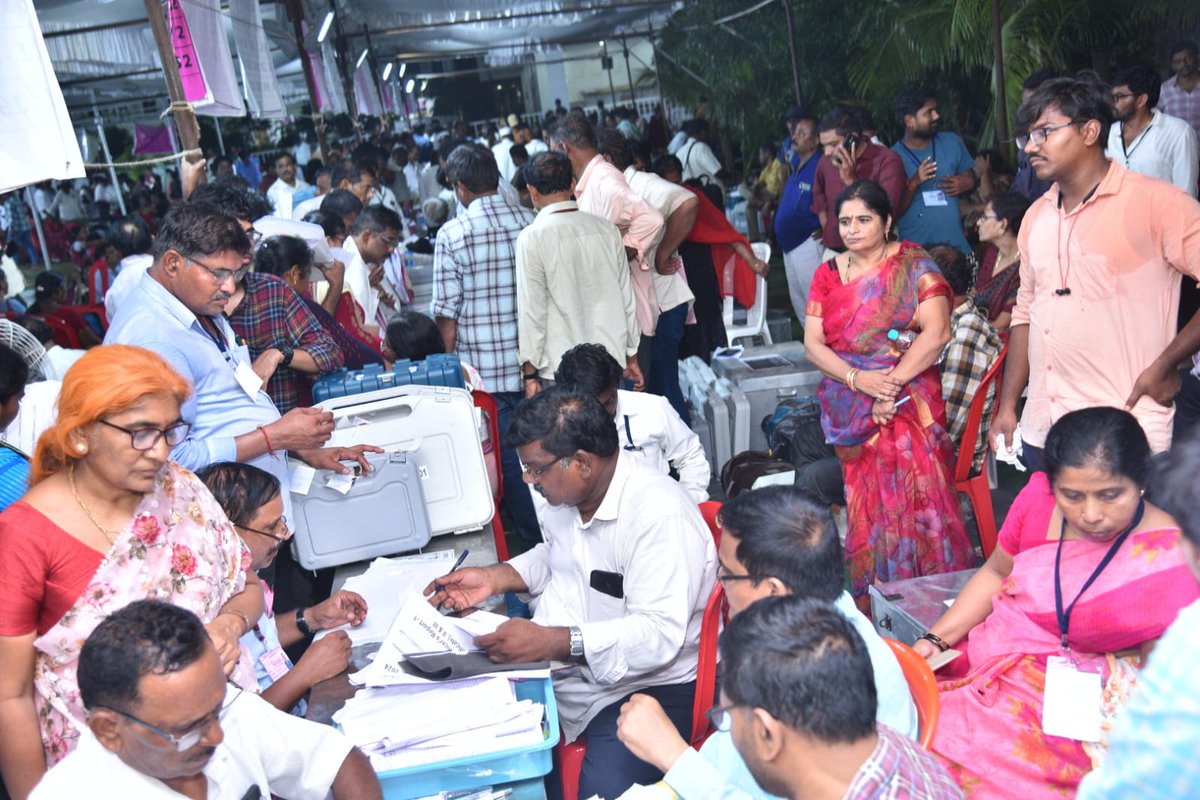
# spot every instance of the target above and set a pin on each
(184, 61)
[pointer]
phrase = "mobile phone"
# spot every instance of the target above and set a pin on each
(850, 142)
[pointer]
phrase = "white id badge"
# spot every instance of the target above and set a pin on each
(935, 197)
(247, 379)
(1071, 705)
(275, 663)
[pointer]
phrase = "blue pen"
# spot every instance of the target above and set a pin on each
(466, 552)
(901, 401)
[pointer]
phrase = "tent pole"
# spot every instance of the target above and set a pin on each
(296, 12)
(220, 136)
(628, 71)
(185, 116)
(112, 171)
(37, 225)
(998, 68)
(662, 101)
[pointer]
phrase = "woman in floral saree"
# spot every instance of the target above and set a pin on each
(107, 520)
(1059, 532)
(881, 404)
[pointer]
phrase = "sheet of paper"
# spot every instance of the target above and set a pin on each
(339, 482)
(302, 477)
(1071, 706)
(478, 622)
(385, 583)
(941, 659)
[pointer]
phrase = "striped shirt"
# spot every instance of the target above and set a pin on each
(899, 769)
(474, 284)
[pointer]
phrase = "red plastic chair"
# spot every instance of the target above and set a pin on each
(923, 686)
(99, 281)
(976, 486)
(64, 335)
(487, 404)
(570, 756)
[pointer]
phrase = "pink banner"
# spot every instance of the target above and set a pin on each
(149, 139)
(194, 88)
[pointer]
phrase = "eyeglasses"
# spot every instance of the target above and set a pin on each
(723, 575)
(392, 242)
(538, 472)
(1123, 95)
(992, 217)
(719, 716)
(144, 439)
(191, 737)
(1038, 136)
(254, 235)
(222, 275)
(281, 539)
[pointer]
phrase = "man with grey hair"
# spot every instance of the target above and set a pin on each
(475, 299)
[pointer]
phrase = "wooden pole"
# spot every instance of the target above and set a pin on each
(791, 34)
(295, 12)
(37, 226)
(185, 118)
(998, 68)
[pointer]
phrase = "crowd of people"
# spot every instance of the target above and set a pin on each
(147, 582)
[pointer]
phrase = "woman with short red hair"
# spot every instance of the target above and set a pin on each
(107, 520)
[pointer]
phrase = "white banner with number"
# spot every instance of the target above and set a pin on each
(37, 140)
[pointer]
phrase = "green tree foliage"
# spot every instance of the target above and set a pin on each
(866, 50)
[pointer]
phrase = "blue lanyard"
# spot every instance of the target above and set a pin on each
(1064, 615)
(916, 160)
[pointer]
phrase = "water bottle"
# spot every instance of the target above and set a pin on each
(902, 340)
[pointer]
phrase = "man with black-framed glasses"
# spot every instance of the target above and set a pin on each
(1103, 254)
(177, 310)
(162, 722)
(775, 542)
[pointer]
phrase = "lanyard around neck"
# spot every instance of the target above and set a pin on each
(1064, 615)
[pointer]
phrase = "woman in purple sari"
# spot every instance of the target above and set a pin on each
(1085, 518)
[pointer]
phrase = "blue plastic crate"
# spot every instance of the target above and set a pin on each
(492, 769)
(440, 369)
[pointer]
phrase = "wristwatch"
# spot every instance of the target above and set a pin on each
(305, 631)
(576, 641)
(287, 351)
(936, 641)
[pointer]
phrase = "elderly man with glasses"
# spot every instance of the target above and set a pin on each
(177, 310)
(619, 586)
(163, 723)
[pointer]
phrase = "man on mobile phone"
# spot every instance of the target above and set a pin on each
(850, 156)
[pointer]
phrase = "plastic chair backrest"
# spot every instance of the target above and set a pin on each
(923, 686)
(487, 405)
(64, 334)
(710, 632)
(756, 315)
(966, 447)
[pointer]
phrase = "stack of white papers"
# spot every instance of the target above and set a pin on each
(405, 726)
(385, 585)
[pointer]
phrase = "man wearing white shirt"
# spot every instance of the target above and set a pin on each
(163, 723)
(373, 240)
(774, 543)
(699, 161)
(678, 207)
(647, 425)
(572, 279)
(500, 151)
(286, 184)
(132, 238)
(619, 585)
(1146, 140)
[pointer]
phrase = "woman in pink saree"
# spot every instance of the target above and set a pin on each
(107, 520)
(1007, 622)
(881, 406)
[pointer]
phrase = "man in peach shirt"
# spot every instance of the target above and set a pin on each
(1103, 253)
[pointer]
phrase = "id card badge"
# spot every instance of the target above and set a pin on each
(275, 662)
(247, 379)
(934, 197)
(1071, 704)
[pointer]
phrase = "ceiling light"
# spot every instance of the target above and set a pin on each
(408, 87)
(387, 71)
(361, 58)
(325, 27)
(403, 68)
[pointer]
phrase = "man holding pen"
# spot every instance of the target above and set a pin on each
(619, 585)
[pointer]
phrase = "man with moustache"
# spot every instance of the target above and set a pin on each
(163, 723)
(619, 585)
(940, 169)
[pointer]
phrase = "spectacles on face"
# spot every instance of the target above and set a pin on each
(992, 217)
(191, 737)
(724, 575)
(720, 718)
(144, 439)
(1122, 96)
(222, 275)
(281, 539)
(254, 235)
(1038, 136)
(392, 242)
(537, 472)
